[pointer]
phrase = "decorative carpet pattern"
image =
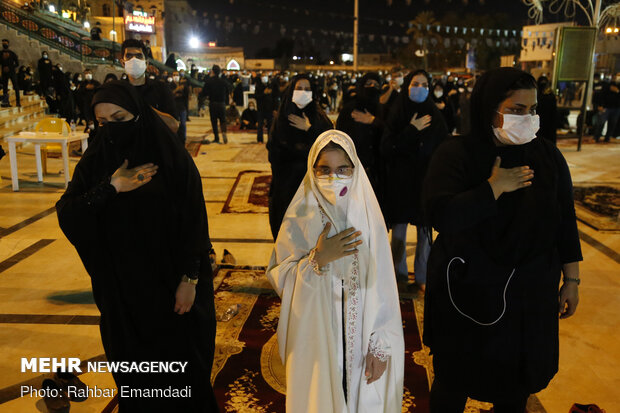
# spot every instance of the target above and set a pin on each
(249, 194)
(598, 206)
(248, 374)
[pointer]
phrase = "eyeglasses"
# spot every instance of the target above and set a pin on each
(343, 172)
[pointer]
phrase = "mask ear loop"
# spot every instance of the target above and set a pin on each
(468, 316)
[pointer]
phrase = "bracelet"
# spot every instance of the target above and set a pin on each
(315, 265)
(186, 279)
(575, 280)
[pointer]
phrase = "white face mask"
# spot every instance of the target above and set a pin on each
(264, 79)
(169, 79)
(302, 97)
(176, 78)
(334, 188)
(399, 81)
(135, 67)
(517, 129)
(438, 93)
(88, 76)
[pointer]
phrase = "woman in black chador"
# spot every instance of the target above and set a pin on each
(414, 128)
(361, 120)
(298, 123)
(501, 200)
(135, 212)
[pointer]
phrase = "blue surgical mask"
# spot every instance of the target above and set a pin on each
(418, 94)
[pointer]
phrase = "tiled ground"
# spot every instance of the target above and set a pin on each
(40, 274)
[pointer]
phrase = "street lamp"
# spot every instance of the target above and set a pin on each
(194, 43)
(86, 25)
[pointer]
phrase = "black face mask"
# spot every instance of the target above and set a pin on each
(371, 93)
(121, 136)
(5, 46)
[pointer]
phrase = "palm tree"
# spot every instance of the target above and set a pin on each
(421, 28)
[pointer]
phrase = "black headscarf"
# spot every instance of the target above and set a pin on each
(147, 139)
(287, 106)
(368, 98)
(410, 107)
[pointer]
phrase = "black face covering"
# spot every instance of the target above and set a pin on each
(371, 93)
(5, 46)
(121, 137)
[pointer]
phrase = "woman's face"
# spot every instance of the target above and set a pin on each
(303, 84)
(521, 102)
(109, 112)
(419, 81)
(333, 161)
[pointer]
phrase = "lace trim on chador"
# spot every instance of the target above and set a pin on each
(376, 349)
(352, 291)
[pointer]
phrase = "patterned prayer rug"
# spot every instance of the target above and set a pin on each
(598, 206)
(249, 194)
(248, 374)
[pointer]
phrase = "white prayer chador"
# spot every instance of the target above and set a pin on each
(329, 323)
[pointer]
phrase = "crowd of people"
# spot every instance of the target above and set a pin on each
(471, 159)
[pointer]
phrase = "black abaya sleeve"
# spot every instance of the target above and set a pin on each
(569, 246)
(78, 207)
(450, 202)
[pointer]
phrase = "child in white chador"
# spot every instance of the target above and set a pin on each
(340, 331)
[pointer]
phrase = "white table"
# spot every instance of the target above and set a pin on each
(38, 138)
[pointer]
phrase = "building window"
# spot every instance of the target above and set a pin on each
(106, 10)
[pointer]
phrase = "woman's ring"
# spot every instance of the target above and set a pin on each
(140, 177)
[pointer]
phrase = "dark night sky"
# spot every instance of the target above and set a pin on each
(398, 10)
(310, 18)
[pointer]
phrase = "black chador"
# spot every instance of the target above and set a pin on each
(137, 245)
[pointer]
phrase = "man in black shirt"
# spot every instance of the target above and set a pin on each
(156, 94)
(9, 62)
(95, 32)
(218, 91)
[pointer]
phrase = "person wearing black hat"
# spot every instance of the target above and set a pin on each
(135, 212)
(414, 129)
(502, 202)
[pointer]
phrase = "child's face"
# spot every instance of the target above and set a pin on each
(332, 161)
